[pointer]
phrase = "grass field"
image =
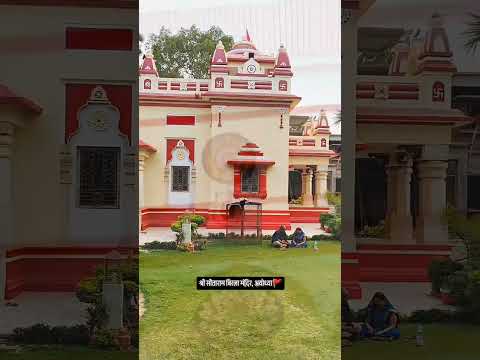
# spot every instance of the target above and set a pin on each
(67, 353)
(442, 342)
(301, 322)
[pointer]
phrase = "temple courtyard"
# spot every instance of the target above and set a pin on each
(301, 322)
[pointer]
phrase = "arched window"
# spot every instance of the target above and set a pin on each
(323, 142)
(147, 84)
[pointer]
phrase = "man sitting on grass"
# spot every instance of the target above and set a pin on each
(280, 238)
(299, 239)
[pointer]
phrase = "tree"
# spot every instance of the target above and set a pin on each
(472, 34)
(186, 53)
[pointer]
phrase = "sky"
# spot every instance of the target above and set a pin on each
(310, 30)
(412, 14)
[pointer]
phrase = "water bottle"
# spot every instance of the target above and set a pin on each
(419, 338)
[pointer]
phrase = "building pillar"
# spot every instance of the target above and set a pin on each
(431, 227)
(6, 198)
(400, 224)
(142, 156)
(3, 275)
(307, 187)
(321, 188)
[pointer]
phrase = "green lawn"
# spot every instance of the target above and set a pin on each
(67, 353)
(442, 342)
(302, 322)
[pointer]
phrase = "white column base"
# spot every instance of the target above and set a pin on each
(431, 230)
(401, 229)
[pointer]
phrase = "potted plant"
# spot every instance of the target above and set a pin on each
(123, 339)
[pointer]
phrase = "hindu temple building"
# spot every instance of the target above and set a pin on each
(68, 141)
(206, 143)
(409, 148)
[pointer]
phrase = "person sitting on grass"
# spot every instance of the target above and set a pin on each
(382, 319)
(280, 238)
(299, 239)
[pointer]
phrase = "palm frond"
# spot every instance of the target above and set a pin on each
(472, 33)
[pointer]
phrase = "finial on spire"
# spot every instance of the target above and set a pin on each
(246, 37)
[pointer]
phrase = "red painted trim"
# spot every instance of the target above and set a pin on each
(406, 247)
(189, 144)
(180, 119)
(114, 4)
(409, 119)
(98, 39)
(311, 153)
(38, 272)
(251, 162)
(395, 263)
(77, 95)
(307, 215)
(143, 145)
(68, 250)
(250, 153)
(8, 97)
(215, 219)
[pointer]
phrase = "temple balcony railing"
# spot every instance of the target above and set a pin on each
(240, 84)
(179, 85)
(318, 142)
(388, 90)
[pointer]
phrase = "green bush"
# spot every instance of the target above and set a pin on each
(159, 245)
(195, 220)
(439, 271)
(377, 231)
(334, 199)
(105, 339)
(326, 219)
(46, 335)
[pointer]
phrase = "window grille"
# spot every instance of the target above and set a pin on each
(180, 178)
(98, 177)
(250, 180)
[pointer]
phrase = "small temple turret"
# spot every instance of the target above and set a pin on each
(436, 55)
(282, 63)
(148, 73)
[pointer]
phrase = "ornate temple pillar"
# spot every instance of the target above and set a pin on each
(399, 217)
(430, 226)
(307, 187)
(321, 177)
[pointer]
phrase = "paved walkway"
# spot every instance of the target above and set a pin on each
(51, 308)
(406, 297)
(165, 234)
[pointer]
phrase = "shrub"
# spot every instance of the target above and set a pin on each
(159, 245)
(195, 220)
(105, 339)
(377, 231)
(334, 199)
(46, 335)
(439, 271)
(326, 219)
